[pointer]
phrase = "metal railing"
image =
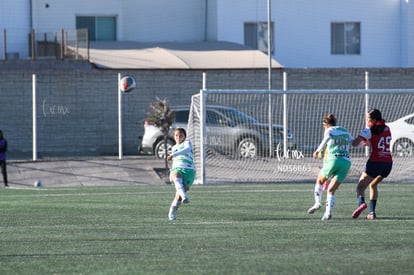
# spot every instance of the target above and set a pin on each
(63, 44)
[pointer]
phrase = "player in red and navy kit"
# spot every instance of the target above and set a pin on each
(377, 135)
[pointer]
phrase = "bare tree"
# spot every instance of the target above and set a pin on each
(161, 116)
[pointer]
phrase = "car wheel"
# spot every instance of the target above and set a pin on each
(247, 148)
(160, 151)
(403, 148)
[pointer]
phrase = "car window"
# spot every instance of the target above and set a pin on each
(238, 117)
(214, 118)
(410, 120)
(181, 116)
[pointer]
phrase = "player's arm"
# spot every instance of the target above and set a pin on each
(321, 146)
(359, 141)
(363, 138)
(186, 148)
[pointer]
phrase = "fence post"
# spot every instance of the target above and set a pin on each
(34, 121)
(4, 45)
(32, 43)
(285, 128)
(119, 118)
(87, 42)
(366, 106)
(76, 44)
(203, 129)
(62, 45)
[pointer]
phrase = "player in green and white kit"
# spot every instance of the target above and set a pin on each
(182, 173)
(336, 166)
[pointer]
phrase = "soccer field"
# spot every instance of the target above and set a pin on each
(226, 229)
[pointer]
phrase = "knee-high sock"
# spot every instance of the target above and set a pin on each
(175, 203)
(318, 194)
(330, 201)
(179, 186)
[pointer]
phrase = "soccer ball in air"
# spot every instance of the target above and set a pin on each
(127, 84)
(37, 183)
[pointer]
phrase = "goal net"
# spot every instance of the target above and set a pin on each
(270, 135)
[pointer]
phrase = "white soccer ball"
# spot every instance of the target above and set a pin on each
(127, 84)
(37, 183)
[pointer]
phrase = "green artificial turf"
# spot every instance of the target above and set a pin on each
(226, 229)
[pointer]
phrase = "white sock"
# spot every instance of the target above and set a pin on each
(318, 194)
(175, 203)
(330, 201)
(179, 186)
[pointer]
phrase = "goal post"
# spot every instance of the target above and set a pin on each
(270, 135)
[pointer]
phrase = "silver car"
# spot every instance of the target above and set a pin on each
(402, 131)
(228, 131)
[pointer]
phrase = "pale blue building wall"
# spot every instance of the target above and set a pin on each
(302, 30)
(302, 27)
(137, 20)
(15, 19)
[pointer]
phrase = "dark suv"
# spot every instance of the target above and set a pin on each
(228, 131)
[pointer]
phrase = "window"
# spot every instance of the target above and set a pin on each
(346, 38)
(255, 35)
(410, 120)
(214, 118)
(181, 116)
(100, 28)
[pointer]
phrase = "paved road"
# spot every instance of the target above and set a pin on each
(109, 171)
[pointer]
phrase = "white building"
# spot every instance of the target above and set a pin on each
(15, 21)
(314, 34)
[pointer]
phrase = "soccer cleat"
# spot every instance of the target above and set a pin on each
(326, 217)
(359, 210)
(371, 216)
(314, 208)
(186, 199)
(171, 214)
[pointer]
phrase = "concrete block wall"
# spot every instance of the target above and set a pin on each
(77, 105)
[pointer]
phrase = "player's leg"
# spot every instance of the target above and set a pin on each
(330, 198)
(363, 183)
(177, 179)
(174, 206)
(341, 168)
(183, 180)
(373, 190)
(382, 169)
(4, 172)
(325, 185)
(373, 196)
(317, 193)
(187, 176)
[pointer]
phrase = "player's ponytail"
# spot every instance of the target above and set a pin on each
(329, 119)
(379, 124)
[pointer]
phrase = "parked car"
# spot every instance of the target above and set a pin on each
(228, 131)
(402, 131)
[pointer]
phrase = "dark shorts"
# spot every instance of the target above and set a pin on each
(374, 169)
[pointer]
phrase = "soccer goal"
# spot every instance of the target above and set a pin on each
(270, 135)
